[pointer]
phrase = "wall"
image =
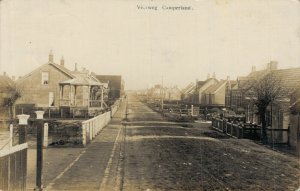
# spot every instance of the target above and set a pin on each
(220, 96)
(204, 87)
(34, 92)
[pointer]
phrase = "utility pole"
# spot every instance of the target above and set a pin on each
(162, 94)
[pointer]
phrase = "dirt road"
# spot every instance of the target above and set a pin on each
(164, 156)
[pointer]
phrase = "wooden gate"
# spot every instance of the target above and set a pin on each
(13, 167)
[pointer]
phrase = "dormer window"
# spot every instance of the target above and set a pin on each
(45, 78)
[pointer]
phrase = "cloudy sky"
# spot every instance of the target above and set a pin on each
(227, 37)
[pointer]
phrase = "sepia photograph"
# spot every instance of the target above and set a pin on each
(149, 95)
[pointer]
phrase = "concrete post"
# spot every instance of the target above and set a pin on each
(46, 129)
(22, 127)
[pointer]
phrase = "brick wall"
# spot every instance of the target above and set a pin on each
(34, 92)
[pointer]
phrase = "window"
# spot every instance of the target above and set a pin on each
(45, 78)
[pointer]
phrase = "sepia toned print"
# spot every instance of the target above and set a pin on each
(149, 95)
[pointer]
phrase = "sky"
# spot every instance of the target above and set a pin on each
(146, 46)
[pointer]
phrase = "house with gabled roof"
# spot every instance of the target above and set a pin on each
(201, 86)
(215, 95)
(278, 112)
(236, 95)
(187, 92)
(172, 93)
(54, 87)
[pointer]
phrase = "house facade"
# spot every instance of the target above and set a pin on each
(199, 93)
(54, 87)
(215, 95)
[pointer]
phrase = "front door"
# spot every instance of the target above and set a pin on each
(51, 99)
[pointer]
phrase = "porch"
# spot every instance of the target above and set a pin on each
(81, 97)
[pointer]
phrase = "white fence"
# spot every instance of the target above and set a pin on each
(92, 127)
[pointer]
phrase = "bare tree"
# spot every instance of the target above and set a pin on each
(265, 91)
(14, 95)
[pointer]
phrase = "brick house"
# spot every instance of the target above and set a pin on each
(278, 112)
(115, 85)
(236, 98)
(52, 87)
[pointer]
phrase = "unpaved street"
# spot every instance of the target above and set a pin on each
(165, 156)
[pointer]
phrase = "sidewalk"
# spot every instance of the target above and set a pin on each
(81, 168)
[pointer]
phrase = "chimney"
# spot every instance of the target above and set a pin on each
(208, 76)
(214, 75)
(50, 57)
(75, 67)
(62, 61)
(272, 65)
(253, 69)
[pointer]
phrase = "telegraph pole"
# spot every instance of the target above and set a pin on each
(162, 94)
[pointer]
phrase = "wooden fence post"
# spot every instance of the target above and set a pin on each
(11, 133)
(289, 134)
(39, 149)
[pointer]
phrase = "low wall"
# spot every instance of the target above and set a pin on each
(72, 133)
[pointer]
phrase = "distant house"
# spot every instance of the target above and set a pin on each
(215, 95)
(156, 92)
(235, 96)
(187, 91)
(115, 85)
(53, 86)
(7, 86)
(172, 93)
(201, 86)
